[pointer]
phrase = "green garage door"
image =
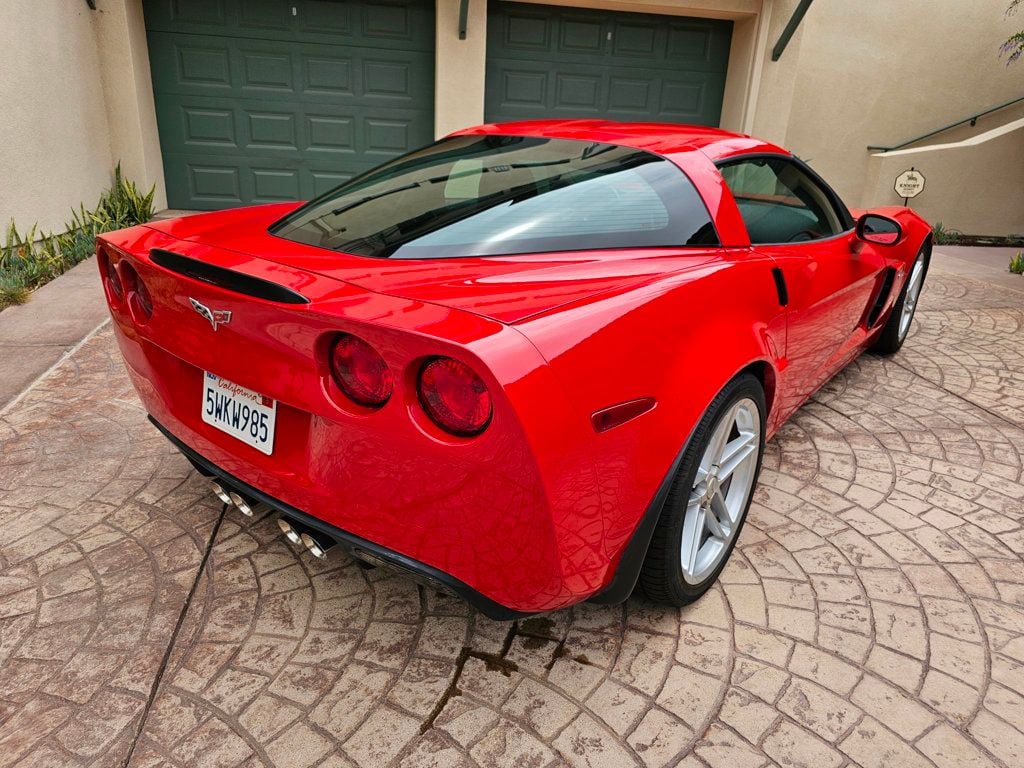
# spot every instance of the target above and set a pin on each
(549, 62)
(265, 100)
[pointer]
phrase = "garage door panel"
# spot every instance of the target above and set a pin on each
(513, 87)
(582, 35)
(193, 12)
(686, 99)
(628, 95)
(251, 127)
(567, 62)
(402, 24)
(331, 134)
(582, 92)
(190, 65)
(257, 104)
(209, 126)
(213, 182)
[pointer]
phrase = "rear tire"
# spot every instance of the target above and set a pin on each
(897, 327)
(708, 502)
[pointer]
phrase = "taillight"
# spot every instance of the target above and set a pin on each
(143, 301)
(110, 277)
(360, 372)
(139, 300)
(454, 397)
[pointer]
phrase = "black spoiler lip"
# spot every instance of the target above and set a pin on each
(227, 279)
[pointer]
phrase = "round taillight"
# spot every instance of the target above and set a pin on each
(454, 397)
(110, 277)
(360, 372)
(143, 301)
(139, 300)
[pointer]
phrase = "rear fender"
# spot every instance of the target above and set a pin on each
(678, 339)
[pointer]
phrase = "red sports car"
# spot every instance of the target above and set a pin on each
(530, 364)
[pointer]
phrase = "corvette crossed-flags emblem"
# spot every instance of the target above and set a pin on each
(214, 316)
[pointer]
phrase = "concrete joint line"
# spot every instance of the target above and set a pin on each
(60, 361)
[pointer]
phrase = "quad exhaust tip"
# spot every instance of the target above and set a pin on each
(246, 506)
(221, 493)
(286, 528)
(318, 547)
(242, 503)
(317, 543)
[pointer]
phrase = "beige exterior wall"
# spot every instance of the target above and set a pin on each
(128, 93)
(76, 95)
(54, 151)
(975, 185)
(459, 71)
(877, 72)
(77, 92)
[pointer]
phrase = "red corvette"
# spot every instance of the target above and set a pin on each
(531, 364)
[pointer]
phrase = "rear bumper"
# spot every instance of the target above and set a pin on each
(421, 572)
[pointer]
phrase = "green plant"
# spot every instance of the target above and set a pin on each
(1017, 263)
(945, 236)
(29, 259)
(1013, 48)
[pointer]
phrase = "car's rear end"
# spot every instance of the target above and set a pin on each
(248, 392)
(356, 363)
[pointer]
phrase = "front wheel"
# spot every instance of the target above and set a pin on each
(710, 496)
(897, 326)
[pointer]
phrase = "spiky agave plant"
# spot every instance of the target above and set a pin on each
(33, 258)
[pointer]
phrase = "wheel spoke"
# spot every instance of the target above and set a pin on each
(912, 292)
(719, 512)
(716, 445)
(693, 533)
(736, 452)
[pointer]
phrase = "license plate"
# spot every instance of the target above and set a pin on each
(240, 412)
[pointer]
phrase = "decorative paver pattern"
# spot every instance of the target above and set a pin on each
(872, 614)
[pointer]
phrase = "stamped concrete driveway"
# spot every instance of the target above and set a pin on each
(873, 613)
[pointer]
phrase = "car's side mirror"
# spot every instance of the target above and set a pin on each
(879, 230)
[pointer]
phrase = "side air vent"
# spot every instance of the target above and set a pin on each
(226, 278)
(883, 295)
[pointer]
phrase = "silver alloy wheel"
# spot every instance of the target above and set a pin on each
(724, 482)
(914, 283)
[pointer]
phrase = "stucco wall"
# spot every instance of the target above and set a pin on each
(975, 185)
(128, 93)
(54, 150)
(877, 72)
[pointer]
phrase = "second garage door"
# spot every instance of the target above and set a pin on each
(550, 62)
(266, 100)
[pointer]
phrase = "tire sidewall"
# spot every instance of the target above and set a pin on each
(744, 386)
(889, 341)
(897, 310)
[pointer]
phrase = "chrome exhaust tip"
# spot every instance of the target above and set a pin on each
(318, 547)
(247, 506)
(290, 533)
(241, 503)
(220, 492)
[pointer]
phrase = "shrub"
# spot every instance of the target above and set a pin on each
(945, 236)
(1017, 263)
(29, 259)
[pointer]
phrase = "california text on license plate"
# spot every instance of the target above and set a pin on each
(240, 412)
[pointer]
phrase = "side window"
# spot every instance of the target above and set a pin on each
(779, 202)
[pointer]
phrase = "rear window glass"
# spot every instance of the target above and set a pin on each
(494, 195)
